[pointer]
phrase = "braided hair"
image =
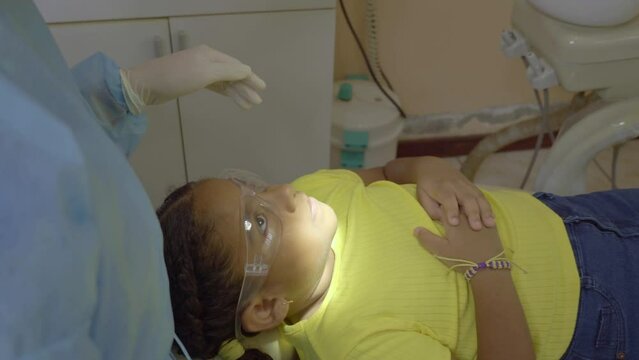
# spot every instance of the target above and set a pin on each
(204, 288)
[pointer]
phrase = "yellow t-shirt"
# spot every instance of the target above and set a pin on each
(390, 299)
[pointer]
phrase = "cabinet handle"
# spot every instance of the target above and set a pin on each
(159, 46)
(183, 40)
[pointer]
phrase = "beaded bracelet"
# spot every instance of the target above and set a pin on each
(497, 262)
(491, 264)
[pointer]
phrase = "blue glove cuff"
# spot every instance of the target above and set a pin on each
(98, 78)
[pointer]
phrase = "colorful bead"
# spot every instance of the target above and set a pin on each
(491, 264)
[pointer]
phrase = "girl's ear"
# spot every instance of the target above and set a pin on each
(264, 313)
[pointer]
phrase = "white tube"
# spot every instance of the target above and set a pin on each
(508, 135)
(564, 171)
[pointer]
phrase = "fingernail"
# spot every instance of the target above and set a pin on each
(454, 220)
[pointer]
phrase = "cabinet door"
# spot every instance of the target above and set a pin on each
(55, 11)
(288, 134)
(158, 160)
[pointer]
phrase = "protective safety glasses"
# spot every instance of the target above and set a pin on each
(261, 229)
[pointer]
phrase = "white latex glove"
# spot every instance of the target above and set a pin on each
(163, 79)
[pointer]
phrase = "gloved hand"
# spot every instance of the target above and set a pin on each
(163, 79)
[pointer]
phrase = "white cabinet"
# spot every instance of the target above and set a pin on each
(285, 137)
(288, 134)
(55, 11)
(158, 160)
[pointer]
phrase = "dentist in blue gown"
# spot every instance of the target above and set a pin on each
(82, 272)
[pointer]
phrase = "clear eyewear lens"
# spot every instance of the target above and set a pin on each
(261, 229)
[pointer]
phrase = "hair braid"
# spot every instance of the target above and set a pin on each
(204, 289)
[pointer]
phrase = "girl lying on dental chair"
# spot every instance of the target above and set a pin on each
(348, 265)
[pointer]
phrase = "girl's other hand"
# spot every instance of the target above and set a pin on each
(442, 189)
(461, 242)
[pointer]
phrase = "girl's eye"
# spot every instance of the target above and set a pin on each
(262, 223)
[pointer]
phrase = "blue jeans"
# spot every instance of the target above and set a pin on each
(603, 228)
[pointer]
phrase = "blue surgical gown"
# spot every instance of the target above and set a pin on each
(82, 272)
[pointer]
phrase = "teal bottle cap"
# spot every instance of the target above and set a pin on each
(345, 92)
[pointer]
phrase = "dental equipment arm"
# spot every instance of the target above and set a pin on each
(166, 78)
(502, 330)
(439, 185)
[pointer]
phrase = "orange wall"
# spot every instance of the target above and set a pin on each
(441, 56)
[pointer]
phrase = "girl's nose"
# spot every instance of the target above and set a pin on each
(283, 195)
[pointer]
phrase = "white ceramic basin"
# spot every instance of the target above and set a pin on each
(589, 12)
